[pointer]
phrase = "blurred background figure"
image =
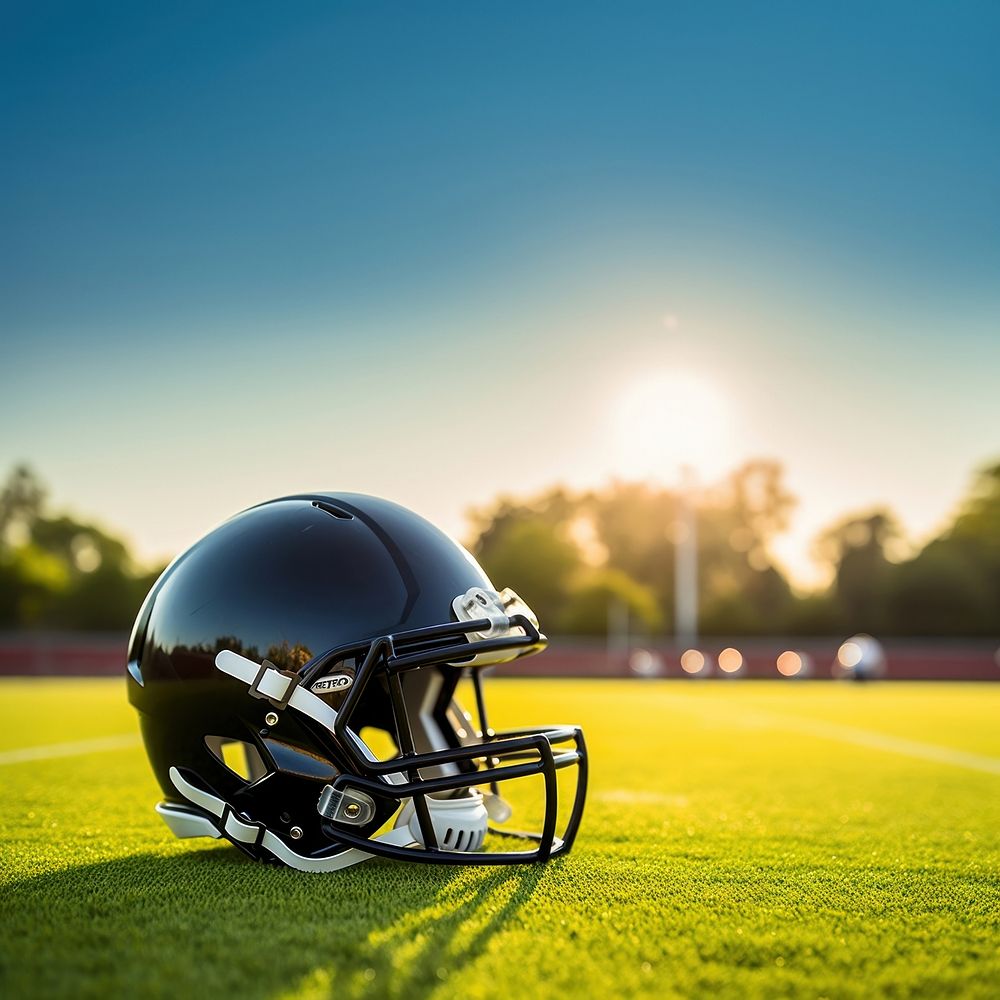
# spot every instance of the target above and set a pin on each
(860, 658)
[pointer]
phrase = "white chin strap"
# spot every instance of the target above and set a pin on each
(268, 682)
(246, 831)
(459, 824)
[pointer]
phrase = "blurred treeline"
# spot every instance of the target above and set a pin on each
(580, 559)
(57, 572)
(584, 559)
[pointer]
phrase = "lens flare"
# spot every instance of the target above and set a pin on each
(644, 663)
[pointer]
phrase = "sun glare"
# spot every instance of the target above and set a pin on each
(669, 419)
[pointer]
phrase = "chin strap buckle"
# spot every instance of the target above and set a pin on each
(273, 685)
(241, 829)
(346, 805)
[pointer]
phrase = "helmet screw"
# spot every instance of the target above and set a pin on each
(295, 833)
(352, 810)
(271, 718)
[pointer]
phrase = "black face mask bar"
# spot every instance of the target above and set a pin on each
(498, 757)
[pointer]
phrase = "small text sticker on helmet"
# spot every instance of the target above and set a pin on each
(332, 682)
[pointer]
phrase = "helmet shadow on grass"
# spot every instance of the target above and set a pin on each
(211, 920)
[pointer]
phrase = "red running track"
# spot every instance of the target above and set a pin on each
(88, 655)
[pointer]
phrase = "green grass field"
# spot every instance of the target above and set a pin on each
(741, 839)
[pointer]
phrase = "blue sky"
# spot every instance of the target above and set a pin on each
(259, 248)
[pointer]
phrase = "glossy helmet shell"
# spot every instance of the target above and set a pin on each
(286, 580)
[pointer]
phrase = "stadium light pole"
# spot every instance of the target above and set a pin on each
(686, 562)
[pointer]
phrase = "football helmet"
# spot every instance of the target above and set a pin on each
(300, 635)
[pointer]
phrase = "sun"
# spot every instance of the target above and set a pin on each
(670, 419)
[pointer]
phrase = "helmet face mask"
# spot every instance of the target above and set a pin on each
(314, 794)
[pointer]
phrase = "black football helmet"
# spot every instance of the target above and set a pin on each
(293, 632)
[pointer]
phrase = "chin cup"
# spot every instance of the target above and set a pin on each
(458, 824)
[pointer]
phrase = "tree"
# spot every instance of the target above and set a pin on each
(942, 592)
(952, 587)
(31, 580)
(59, 572)
(596, 592)
(21, 501)
(528, 548)
(635, 525)
(742, 591)
(856, 548)
(577, 553)
(976, 531)
(759, 501)
(979, 516)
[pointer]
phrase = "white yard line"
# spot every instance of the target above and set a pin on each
(892, 744)
(848, 734)
(20, 756)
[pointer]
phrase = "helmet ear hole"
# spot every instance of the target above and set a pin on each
(240, 757)
(379, 741)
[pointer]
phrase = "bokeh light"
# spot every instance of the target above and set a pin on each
(730, 660)
(692, 661)
(789, 663)
(849, 654)
(644, 663)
